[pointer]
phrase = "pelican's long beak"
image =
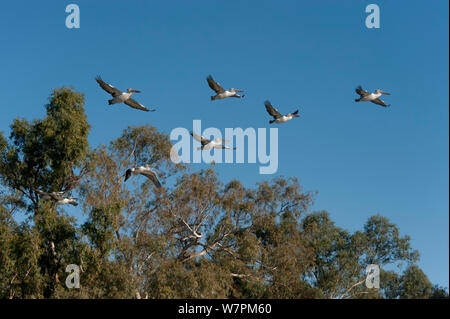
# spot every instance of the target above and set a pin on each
(295, 115)
(136, 91)
(385, 93)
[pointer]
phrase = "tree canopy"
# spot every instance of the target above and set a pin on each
(195, 237)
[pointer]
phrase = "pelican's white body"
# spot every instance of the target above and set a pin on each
(283, 119)
(217, 143)
(140, 169)
(146, 171)
(65, 201)
(371, 97)
(121, 98)
(224, 95)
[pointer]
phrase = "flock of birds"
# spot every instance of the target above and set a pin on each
(206, 144)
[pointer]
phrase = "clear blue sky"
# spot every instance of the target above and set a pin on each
(363, 159)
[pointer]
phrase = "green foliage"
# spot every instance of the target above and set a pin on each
(414, 284)
(384, 244)
(39, 156)
(439, 292)
(193, 238)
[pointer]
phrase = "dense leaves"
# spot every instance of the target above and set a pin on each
(193, 238)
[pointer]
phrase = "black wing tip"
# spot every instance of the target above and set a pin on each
(267, 102)
(98, 78)
(296, 112)
(127, 174)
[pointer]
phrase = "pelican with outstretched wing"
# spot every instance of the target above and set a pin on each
(277, 116)
(119, 97)
(221, 93)
(57, 197)
(371, 97)
(146, 171)
(207, 144)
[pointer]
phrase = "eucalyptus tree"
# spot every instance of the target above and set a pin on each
(42, 154)
(341, 258)
(193, 237)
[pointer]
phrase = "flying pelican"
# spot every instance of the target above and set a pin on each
(119, 97)
(372, 97)
(208, 144)
(57, 197)
(277, 116)
(221, 92)
(145, 170)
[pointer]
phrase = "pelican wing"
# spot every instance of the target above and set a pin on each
(41, 192)
(224, 147)
(107, 87)
(359, 90)
(207, 147)
(200, 139)
(57, 196)
(127, 175)
(214, 85)
(135, 104)
(151, 175)
(219, 141)
(380, 102)
(271, 110)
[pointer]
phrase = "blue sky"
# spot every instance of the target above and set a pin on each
(363, 159)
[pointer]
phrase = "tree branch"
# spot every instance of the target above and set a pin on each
(348, 290)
